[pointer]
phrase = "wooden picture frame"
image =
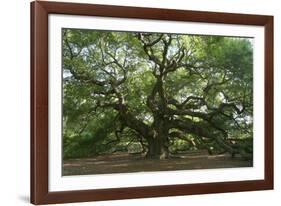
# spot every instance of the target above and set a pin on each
(40, 193)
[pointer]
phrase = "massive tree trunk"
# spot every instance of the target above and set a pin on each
(157, 148)
(158, 142)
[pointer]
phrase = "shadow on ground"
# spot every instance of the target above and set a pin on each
(124, 163)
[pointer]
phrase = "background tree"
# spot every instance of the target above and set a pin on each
(157, 90)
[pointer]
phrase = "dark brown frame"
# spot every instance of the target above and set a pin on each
(39, 102)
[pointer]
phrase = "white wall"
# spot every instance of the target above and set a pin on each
(14, 104)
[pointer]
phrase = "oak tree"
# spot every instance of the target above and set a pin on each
(157, 89)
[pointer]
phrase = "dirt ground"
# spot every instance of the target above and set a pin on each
(124, 162)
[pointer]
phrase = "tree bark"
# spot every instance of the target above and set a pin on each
(157, 148)
(158, 142)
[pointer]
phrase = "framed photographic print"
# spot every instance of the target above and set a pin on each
(131, 102)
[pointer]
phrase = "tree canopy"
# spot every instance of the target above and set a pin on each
(161, 91)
